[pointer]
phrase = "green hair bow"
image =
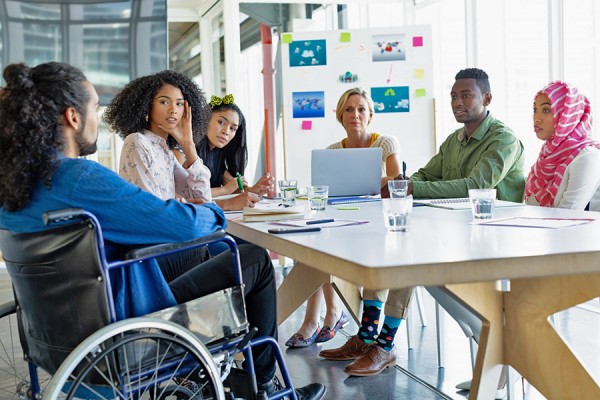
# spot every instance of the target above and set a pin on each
(217, 101)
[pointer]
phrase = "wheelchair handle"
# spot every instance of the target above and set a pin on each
(62, 215)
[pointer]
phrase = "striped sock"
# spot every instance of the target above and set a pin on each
(370, 320)
(388, 332)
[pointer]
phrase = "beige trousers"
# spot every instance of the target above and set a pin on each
(396, 300)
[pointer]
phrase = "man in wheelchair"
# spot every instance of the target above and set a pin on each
(48, 119)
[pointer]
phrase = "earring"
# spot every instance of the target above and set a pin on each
(146, 117)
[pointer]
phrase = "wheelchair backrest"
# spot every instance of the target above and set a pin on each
(59, 287)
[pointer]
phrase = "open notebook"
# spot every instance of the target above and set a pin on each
(460, 203)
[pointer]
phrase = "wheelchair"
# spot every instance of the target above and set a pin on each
(64, 316)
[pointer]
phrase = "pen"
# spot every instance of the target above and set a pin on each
(348, 208)
(403, 169)
(240, 183)
(320, 221)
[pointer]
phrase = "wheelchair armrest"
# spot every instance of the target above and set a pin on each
(166, 248)
(8, 308)
(62, 215)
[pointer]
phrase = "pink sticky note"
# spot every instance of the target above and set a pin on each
(306, 125)
(417, 41)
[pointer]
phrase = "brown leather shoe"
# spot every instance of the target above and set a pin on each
(353, 348)
(375, 360)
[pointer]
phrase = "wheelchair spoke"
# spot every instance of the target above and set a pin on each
(145, 364)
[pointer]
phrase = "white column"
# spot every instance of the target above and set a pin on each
(556, 50)
(231, 21)
(471, 33)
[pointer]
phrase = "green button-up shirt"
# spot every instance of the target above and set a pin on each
(491, 158)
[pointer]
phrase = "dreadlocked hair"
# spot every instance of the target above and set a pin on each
(31, 134)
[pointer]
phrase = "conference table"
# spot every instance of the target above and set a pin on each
(549, 270)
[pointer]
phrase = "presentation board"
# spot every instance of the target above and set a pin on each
(393, 65)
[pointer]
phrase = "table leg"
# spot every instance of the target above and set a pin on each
(349, 294)
(296, 288)
(532, 345)
(486, 302)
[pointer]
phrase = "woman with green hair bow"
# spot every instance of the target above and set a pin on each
(225, 152)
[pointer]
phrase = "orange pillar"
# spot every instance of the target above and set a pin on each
(269, 98)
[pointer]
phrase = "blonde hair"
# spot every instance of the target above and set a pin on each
(339, 110)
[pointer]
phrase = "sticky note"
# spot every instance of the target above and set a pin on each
(306, 125)
(420, 93)
(419, 73)
(286, 38)
(345, 37)
(417, 41)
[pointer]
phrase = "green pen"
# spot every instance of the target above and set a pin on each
(240, 183)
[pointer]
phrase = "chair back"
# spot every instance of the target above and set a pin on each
(59, 286)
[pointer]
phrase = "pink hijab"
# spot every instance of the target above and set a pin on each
(572, 127)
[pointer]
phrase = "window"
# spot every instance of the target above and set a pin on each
(582, 54)
(512, 47)
(447, 20)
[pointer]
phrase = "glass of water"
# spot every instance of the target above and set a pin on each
(288, 188)
(397, 212)
(482, 203)
(398, 187)
(317, 197)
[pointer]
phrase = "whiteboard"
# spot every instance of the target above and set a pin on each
(317, 67)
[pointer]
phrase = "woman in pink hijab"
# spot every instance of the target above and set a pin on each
(567, 171)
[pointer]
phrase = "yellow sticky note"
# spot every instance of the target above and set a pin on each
(286, 38)
(345, 37)
(419, 73)
(420, 93)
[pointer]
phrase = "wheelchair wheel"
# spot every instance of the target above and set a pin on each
(15, 381)
(139, 358)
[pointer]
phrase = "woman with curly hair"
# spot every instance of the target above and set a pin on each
(224, 149)
(153, 114)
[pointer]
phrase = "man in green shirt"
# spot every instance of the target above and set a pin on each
(482, 154)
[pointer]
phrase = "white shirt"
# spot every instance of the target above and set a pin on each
(147, 162)
(580, 183)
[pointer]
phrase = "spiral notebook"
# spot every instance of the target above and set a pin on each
(462, 203)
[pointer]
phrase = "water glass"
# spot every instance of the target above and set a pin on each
(398, 188)
(482, 203)
(288, 188)
(397, 212)
(317, 197)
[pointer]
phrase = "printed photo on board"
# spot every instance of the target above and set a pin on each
(388, 47)
(308, 104)
(308, 53)
(390, 99)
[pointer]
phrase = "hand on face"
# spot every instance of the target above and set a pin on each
(182, 132)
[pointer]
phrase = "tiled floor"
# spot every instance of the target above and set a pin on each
(417, 375)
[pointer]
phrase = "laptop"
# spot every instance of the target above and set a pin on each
(347, 172)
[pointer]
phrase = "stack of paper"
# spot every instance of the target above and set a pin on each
(271, 212)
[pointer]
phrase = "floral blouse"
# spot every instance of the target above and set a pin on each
(147, 162)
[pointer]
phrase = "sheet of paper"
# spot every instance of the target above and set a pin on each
(524, 222)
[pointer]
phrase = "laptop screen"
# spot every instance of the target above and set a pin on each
(347, 172)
